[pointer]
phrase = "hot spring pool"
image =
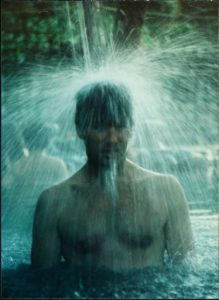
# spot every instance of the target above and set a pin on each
(196, 279)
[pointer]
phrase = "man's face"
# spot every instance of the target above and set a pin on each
(107, 145)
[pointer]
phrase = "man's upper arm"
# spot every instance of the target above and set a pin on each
(45, 250)
(178, 229)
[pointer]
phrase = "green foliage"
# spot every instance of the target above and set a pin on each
(29, 30)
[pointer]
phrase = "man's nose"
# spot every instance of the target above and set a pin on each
(112, 135)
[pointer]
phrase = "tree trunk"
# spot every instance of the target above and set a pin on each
(90, 8)
(128, 23)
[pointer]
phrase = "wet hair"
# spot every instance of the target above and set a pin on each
(101, 104)
(37, 136)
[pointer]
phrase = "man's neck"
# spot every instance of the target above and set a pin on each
(94, 170)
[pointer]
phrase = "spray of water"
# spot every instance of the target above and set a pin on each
(174, 92)
(174, 88)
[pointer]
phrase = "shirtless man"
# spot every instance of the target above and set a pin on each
(111, 213)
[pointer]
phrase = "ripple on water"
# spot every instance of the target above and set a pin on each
(193, 279)
(155, 282)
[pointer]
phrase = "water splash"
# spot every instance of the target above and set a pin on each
(174, 89)
(193, 279)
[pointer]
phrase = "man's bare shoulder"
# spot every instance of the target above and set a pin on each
(165, 186)
(64, 189)
(142, 174)
(161, 188)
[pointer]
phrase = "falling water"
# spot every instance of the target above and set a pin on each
(174, 88)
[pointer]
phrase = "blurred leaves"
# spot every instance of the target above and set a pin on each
(30, 29)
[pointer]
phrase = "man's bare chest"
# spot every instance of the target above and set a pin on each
(88, 226)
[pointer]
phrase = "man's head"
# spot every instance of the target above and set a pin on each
(104, 119)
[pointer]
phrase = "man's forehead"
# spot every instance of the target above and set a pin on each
(108, 121)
